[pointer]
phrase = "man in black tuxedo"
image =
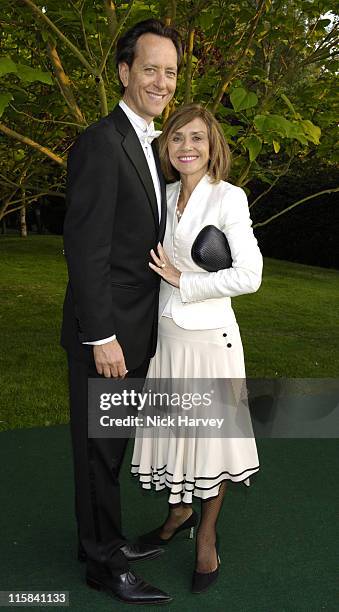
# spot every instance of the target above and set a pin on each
(116, 213)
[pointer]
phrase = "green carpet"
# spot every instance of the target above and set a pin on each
(278, 538)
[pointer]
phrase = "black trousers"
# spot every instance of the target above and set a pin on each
(97, 463)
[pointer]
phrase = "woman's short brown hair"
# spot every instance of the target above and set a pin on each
(220, 155)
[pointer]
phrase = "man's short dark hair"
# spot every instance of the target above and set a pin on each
(127, 42)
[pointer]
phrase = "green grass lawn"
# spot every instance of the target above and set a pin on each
(290, 328)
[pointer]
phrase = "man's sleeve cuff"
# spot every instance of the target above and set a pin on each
(104, 341)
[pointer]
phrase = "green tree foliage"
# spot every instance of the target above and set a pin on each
(266, 68)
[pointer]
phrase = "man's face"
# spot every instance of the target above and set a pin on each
(150, 82)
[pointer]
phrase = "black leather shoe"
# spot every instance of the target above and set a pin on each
(133, 552)
(153, 537)
(128, 588)
(140, 551)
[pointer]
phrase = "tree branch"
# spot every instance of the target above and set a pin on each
(169, 18)
(189, 64)
(4, 212)
(199, 6)
(31, 118)
(242, 178)
(17, 186)
(111, 16)
(99, 78)
(170, 12)
(273, 184)
(7, 180)
(79, 12)
(64, 83)
(228, 77)
(102, 95)
(115, 37)
(6, 203)
(38, 12)
(282, 212)
(33, 144)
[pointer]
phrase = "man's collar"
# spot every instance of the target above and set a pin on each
(135, 119)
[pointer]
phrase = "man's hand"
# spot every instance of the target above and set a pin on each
(109, 359)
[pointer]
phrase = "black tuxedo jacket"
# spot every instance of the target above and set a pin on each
(111, 225)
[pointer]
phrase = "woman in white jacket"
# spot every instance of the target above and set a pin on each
(198, 333)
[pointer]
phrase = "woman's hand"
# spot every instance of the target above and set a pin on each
(164, 267)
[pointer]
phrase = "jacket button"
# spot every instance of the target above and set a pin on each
(224, 335)
(229, 345)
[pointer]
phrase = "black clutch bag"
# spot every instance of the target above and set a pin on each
(210, 250)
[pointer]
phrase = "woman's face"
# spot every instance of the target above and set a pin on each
(188, 149)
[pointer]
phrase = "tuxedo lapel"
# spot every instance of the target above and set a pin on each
(133, 150)
(163, 191)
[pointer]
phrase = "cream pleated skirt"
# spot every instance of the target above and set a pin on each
(196, 466)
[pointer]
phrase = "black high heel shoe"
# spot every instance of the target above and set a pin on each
(153, 537)
(200, 581)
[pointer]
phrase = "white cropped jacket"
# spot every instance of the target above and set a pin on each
(203, 299)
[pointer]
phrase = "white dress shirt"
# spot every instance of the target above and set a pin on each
(146, 134)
